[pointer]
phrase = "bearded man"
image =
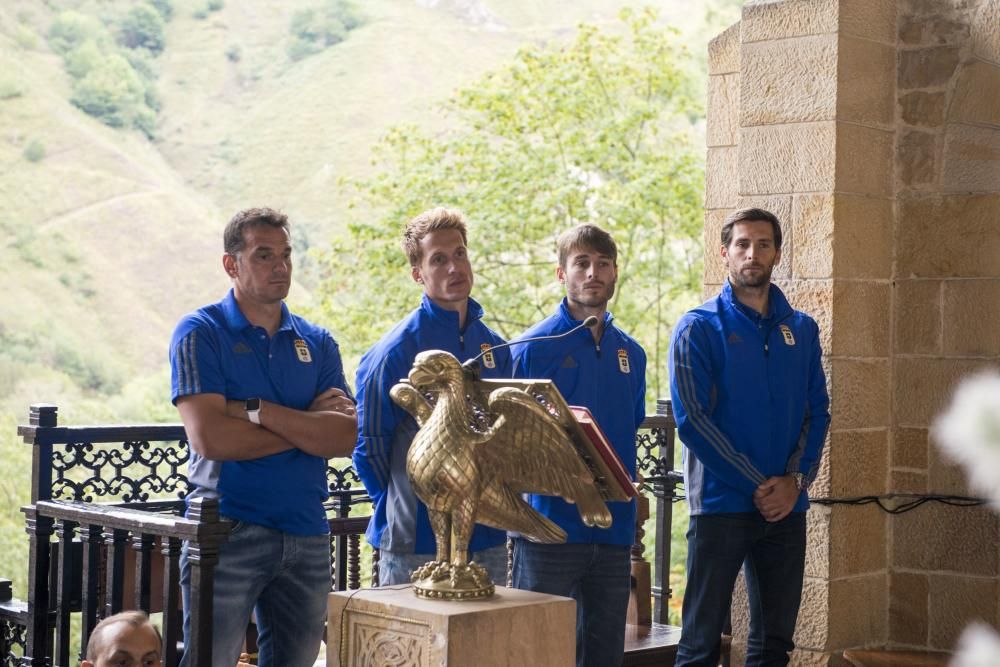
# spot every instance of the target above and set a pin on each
(752, 411)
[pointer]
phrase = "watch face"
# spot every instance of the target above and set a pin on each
(252, 404)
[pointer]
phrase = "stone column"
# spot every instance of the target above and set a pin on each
(872, 129)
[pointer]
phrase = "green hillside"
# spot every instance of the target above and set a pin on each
(108, 236)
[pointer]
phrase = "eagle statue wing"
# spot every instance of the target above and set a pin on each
(529, 452)
(410, 399)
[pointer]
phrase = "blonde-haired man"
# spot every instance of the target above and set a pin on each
(446, 319)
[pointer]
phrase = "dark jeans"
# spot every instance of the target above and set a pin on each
(597, 576)
(773, 559)
(284, 578)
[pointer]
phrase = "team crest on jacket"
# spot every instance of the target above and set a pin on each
(302, 351)
(487, 353)
(623, 361)
(787, 333)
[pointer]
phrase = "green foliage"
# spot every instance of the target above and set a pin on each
(314, 29)
(142, 28)
(595, 131)
(116, 84)
(10, 89)
(71, 29)
(113, 92)
(215, 5)
(164, 7)
(25, 37)
(34, 151)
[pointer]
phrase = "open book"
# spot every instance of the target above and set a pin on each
(607, 462)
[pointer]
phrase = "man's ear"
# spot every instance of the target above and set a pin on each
(86, 663)
(724, 254)
(229, 264)
(560, 275)
(415, 274)
(777, 256)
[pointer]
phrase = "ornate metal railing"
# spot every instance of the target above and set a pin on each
(106, 522)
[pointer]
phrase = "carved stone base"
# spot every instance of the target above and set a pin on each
(438, 580)
(391, 627)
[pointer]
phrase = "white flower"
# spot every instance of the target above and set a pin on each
(969, 433)
(979, 646)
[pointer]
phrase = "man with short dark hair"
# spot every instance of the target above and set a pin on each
(126, 639)
(264, 402)
(435, 243)
(749, 397)
(604, 370)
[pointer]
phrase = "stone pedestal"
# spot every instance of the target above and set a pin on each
(391, 626)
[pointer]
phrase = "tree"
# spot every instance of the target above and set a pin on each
(595, 131)
(142, 28)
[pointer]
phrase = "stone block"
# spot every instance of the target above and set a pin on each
(955, 603)
(766, 21)
(908, 606)
(943, 476)
(722, 177)
(977, 94)
(869, 19)
(784, 159)
(922, 386)
(863, 237)
(971, 321)
(815, 298)
(806, 658)
(820, 488)
(944, 537)
(859, 393)
(722, 126)
(902, 481)
(860, 319)
(922, 109)
(985, 37)
(815, 615)
(859, 463)
(724, 51)
(859, 537)
(789, 81)
(866, 71)
(909, 448)
(959, 249)
(813, 228)
(781, 206)
(818, 544)
(927, 67)
(381, 626)
(917, 307)
(864, 160)
(715, 270)
(916, 158)
(971, 158)
(932, 30)
(859, 611)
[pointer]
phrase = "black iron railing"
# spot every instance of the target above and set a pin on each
(107, 519)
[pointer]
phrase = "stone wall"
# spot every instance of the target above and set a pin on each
(872, 129)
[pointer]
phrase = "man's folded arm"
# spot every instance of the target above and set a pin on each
(216, 435)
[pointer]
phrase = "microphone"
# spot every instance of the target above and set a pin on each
(472, 364)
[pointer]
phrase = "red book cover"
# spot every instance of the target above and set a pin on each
(604, 449)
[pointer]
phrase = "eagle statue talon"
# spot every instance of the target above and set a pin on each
(466, 472)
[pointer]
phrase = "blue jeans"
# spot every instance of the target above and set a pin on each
(773, 559)
(395, 568)
(284, 578)
(597, 576)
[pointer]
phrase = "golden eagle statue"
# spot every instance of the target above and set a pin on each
(471, 461)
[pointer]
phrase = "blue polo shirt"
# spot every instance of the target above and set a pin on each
(216, 350)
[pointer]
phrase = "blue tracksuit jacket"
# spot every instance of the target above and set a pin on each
(385, 430)
(749, 396)
(609, 378)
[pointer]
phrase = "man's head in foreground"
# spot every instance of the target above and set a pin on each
(127, 639)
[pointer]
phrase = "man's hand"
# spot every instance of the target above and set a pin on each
(333, 400)
(776, 497)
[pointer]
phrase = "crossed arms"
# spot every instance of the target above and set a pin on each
(219, 429)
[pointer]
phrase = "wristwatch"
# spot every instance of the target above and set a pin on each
(252, 406)
(800, 481)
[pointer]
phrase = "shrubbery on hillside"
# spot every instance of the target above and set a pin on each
(114, 78)
(315, 28)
